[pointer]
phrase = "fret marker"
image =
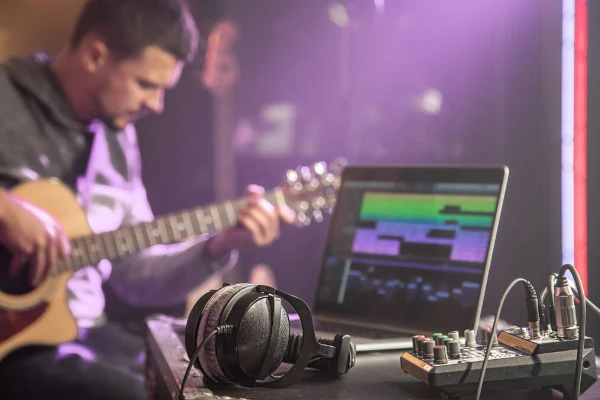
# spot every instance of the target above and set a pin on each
(230, 213)
(156, 232)
(208, 220)
(215, 215)
(181, 227)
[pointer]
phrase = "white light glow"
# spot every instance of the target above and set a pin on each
(567, 130)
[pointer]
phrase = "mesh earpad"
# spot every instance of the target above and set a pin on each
(210, 320)
(254, 335)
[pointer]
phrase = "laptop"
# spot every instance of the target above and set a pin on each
(408, 252)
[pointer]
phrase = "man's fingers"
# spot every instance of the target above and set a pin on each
(255, 191)
(286, 214)
(268, 218)
(253, 226)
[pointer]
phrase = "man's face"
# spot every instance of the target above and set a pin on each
(130, 88)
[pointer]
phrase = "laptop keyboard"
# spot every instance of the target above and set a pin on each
(358, 331)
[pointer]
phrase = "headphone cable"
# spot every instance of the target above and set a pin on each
(221, 330)
(528, 288)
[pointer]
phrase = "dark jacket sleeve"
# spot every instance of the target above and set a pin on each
(17, 160)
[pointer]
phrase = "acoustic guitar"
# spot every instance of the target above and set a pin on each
(40, 316)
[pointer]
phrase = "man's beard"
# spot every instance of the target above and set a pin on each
(130, 117)
(111, 120)
(111, 124)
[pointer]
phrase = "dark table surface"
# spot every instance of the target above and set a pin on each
(375, 376)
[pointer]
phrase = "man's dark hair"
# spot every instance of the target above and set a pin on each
(128, 26)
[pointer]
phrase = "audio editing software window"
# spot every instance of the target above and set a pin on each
(409, 250)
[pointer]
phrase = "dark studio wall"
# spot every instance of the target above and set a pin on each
(529, 241)
(27, 26)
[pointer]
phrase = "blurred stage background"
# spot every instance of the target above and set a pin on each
(396, 81)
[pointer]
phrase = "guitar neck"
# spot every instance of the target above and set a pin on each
(167, 229)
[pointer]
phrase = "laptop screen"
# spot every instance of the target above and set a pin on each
(410, 247)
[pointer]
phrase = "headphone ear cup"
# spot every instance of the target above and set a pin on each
(254, 336)
(211, 319)
(192, 326)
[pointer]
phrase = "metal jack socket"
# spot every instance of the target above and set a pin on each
(534, 329)
(566, 316)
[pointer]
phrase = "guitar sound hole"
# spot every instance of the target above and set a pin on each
(12, 286)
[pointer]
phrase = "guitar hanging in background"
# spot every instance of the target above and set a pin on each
(40, 316)
(219, 75)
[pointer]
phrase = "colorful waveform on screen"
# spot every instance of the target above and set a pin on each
(440, 226)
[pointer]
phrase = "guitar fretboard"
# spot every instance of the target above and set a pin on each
(167, 229)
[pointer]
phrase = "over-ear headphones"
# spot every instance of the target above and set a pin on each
(245, 331)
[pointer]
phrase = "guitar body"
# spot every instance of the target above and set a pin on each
(41, 316)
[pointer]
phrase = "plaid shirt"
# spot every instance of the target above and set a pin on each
(40, 137)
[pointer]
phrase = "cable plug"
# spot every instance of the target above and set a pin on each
(564, 309)
(533, 310)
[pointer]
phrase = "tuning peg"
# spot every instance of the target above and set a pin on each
(337, 165)
(319, 168)
(304, 174)
(291, 177)
(303, 206)
(318, 203)
(302, 219)
(318, 215)
(331, 206)
(327, 180)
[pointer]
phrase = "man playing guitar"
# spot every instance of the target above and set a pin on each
(71, 117)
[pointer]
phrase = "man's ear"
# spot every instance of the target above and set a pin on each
(95, 54)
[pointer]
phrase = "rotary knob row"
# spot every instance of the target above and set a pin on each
(425, 348)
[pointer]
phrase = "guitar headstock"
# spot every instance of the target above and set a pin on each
(312, 190)
(221, 69)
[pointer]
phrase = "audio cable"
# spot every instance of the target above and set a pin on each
(562, 306)
(562, 293)
(221, 330)
(550, 320)
(566, 318)
(573, 286)
(587, 301)
(532, 314)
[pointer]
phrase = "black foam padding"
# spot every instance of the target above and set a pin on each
(210, 320)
